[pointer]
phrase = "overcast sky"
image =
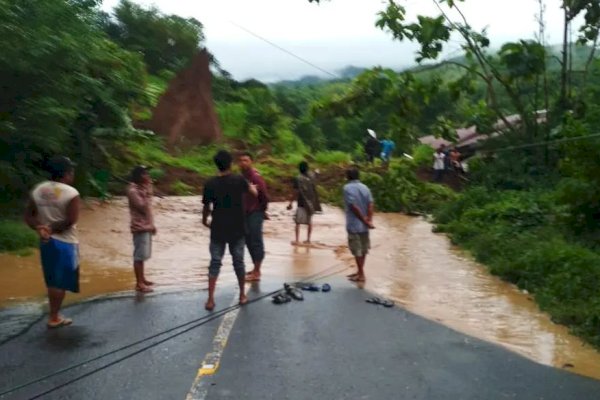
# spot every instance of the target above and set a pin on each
(334, 34)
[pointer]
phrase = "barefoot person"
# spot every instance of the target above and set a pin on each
(53, 211)
(358, 202)
(307, 199)
(223, 199)
(255, 208)
(139, 194)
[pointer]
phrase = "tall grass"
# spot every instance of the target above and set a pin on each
(15, 235)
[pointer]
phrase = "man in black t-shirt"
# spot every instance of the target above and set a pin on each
(223, 200)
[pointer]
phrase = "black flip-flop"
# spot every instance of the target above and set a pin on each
(378, 301)
(293, 292)
(281, 298)
(310, 287)
(387, 303)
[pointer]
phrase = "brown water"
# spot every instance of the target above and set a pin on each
(413, 266)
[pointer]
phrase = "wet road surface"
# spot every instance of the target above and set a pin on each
(330, 346)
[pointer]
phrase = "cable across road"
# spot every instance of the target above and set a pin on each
(193, 324)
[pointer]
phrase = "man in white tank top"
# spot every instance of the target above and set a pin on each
(52, 212)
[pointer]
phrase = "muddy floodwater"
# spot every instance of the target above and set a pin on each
(418, 269)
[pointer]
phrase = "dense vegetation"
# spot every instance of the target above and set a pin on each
(530, 210)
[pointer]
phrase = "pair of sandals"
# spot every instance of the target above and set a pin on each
(311, 287)
(290, 292)
(379, 301)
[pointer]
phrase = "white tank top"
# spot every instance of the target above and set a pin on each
(52, 200)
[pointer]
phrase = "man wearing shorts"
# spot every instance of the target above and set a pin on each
(223, 199)
(358, 203)
(307, 199)
(139, 196)
(52, 211)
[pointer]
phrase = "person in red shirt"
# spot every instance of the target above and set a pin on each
(255, 208)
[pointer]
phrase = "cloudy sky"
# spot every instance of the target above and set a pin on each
(334, 34)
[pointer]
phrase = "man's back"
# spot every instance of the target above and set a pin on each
(358, 194)
(226, 194)
(52, 200)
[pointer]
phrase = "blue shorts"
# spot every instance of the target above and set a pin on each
(60, 262)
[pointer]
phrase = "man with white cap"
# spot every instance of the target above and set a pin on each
(372, 146)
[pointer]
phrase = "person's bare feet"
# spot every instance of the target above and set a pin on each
(243, 299)
(59, 322)
(252, 277)
(148, 283)
(295, 243)
(352, 275)
(209, 305)
(142, 288)
(358, 278)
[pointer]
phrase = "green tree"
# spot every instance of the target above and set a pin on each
(62, 85)
(167, 42)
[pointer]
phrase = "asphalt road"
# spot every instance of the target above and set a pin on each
(330, 346)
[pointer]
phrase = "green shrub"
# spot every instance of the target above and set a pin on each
(399, 190)
(332, 157)
(15, 235)
(423, 155)
(157, 173)
(180, 188)
(517, 235)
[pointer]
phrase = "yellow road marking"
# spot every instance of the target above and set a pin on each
(212, 360)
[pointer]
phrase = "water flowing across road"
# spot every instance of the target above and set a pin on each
(418, 269)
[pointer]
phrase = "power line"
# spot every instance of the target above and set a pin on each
(285, 50)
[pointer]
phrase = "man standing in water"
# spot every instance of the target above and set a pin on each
(53, 211)
(305, 194)
(358, 203)
(225, 194)
(139, 194)
(256, 212)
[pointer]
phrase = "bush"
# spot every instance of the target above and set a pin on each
(423, 155)
(15, 235)
(399, 190)
(157, 173)
(332, 157)
(180, 188)
(516, 234)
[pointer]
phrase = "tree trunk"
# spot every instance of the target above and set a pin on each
(565, 62)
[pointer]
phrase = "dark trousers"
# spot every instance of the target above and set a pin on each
(217, 251)
(254, 236)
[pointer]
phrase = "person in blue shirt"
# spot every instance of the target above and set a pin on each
(358, 202)
(387, 147)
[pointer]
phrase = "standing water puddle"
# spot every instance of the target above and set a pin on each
(411, 265)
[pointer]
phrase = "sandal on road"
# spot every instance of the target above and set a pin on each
(281, 298)
(60, 323)
(310, 287)
(378, 301)
(293, 292)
